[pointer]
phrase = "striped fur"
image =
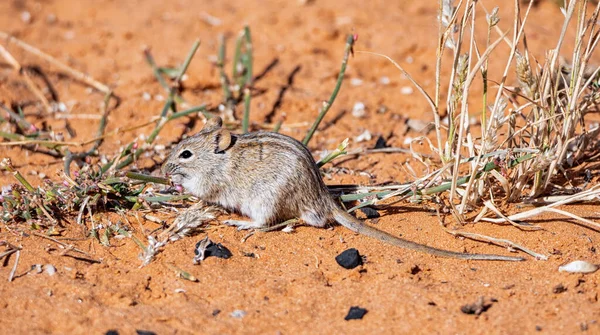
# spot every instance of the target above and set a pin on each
(270, 178)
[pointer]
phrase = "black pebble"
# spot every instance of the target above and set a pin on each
(144, 332)
(112, 332)
(370, 212)
(380, 143)
(217, 250)
(349, 259)
(355, 313)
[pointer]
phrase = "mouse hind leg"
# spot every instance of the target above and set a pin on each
(312, 218)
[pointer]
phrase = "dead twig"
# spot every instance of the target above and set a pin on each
(74, 73)
(11, 276)
(67, 246)
(30, 84)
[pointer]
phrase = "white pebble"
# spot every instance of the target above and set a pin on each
(384, 80)
(578, 267)
(356, 82)
(159, 97)
(146, 96)
(26, 17)
(238, 314)
(62, 107)
(365, 136)
(359, 110)
(406, 90)
(50, 269)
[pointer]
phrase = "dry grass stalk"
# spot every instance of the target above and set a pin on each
(74, 73)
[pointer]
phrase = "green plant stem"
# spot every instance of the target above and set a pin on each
(157, 73)
(187, 61)
(23, 124)
(246, 118)
(222, 74)
(338, 85)
(248, 56)
(18, 176)
(162, 198)
(69, 157)
(156, 70)
(431, 190)
(147, 178)
(236, 60)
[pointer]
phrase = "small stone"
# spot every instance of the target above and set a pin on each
(359, 110)
(26, 17)
(406, 90)
(384, 80)
(144, 332)
(355, 313)
(207, 248)
(37, 268)
(349, 259)
(380, 144)
(50, 269)
(365, 136)
(62, 107)
(370, 212)
(559, 289)
(216, 312)
(356, 82)
(476, 308)
(238, 314)
(146, 96)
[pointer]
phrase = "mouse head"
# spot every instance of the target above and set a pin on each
(194, 162)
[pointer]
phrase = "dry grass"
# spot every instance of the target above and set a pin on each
(531, 135)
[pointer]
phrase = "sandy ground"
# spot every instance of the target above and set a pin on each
(293, 285)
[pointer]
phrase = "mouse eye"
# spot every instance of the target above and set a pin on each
(185, 154)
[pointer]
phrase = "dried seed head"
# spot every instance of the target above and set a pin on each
(493, 17)
(447, 12)
(497, 120)
(460, 78)
(445, 18)
(525, 75)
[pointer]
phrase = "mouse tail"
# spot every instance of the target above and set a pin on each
(352, 223)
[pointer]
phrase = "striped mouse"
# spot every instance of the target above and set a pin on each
(270, 178)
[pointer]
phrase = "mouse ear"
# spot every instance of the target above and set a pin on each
(223, 140)
(213, 123)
